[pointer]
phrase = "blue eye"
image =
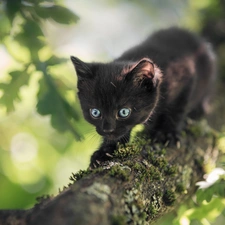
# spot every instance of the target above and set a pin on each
(124, 112)
(95, 113)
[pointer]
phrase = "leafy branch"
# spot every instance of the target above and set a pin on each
(23, 37)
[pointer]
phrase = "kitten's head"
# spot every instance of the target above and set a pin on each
(117, 96)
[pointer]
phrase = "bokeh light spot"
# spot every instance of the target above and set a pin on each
(23, 147)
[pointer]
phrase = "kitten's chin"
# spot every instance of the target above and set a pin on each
(113, 137)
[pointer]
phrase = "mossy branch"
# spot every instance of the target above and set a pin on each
(140, 184)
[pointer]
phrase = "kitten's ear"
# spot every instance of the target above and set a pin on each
(83, 69)
(144, 71)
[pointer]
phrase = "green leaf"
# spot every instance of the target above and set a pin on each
(12, 7)
(5, 26)
(62, 15)
(42, 12)
(50, 102)
(209, 211)
(54, 60)
(11, 89)
(217, 189)
(31, 37)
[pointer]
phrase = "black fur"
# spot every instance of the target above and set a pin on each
(162, 81)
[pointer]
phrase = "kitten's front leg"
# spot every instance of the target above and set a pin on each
(106, 151)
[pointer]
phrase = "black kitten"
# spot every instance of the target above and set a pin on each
(157, 83)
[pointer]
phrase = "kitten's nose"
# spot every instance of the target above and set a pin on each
(108, 126)
(108, 130)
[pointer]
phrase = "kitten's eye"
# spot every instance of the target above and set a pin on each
(124, 112)
(95, 113)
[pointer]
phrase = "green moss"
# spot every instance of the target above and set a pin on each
(134, 147)
(154, 205)
(80, 174)
(169, 197)
(156, 156)
(160, 162)
(146, 171)
(140, 168)
(163, 151)
(42, 199)
(127, 150)
(150, 156)
(143, 216)
(180, 188)
(142, 139)
(158, 194)
(128, 163)
(171, 170)
(152, 211)
(154, 173)
(120, 172)
(118, 220)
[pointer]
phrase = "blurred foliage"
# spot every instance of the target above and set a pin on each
(33, 92)
(38, 88)
(22, 32)
(208, 17)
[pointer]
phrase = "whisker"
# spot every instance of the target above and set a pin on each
(125, 138)
(92, 137)
(113, 84)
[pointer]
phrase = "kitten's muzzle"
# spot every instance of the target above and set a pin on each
(109, 134)
(108, 131)
(108, 126)
(114, 136)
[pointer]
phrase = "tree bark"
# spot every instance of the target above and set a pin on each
(140, 184)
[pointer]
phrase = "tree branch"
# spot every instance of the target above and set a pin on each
(141, 183)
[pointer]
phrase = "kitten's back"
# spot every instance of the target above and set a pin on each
(164, 46)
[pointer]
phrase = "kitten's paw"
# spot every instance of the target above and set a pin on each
(172, 139)
(101, 155)
(168, 139)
